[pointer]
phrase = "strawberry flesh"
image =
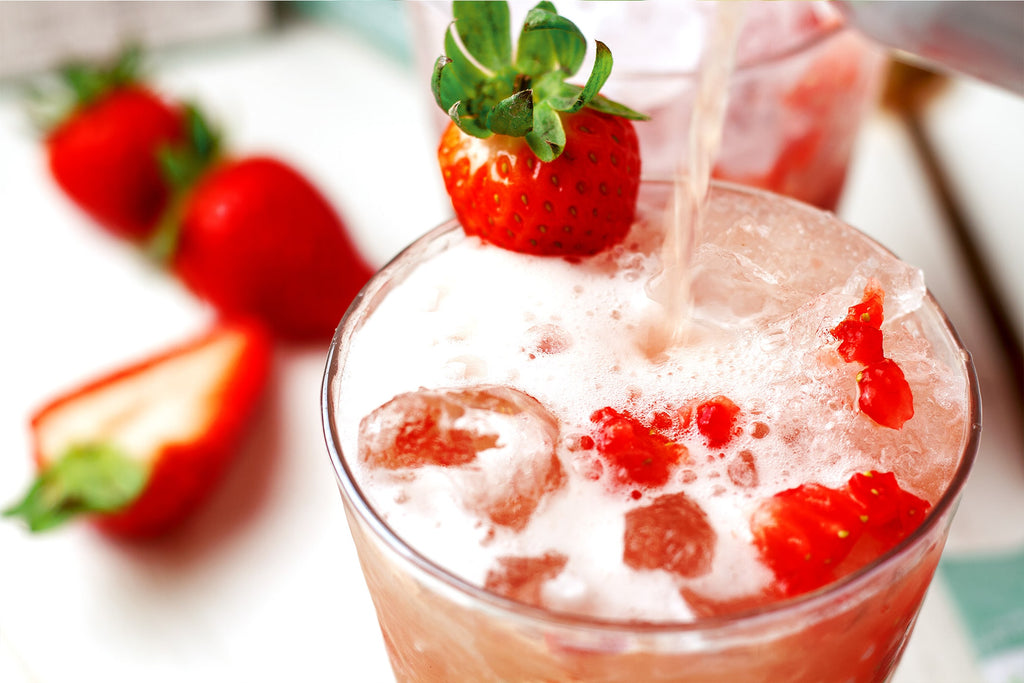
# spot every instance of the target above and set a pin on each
(673, 534)
(638, 455)
(811, 535)
(885, 395)
(180, 416)
(716, 420)
(521, 578)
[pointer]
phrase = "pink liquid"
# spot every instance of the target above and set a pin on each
(453, 313)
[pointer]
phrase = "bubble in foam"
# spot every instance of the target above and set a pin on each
(547, 339)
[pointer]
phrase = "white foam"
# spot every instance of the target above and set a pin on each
(469, 316)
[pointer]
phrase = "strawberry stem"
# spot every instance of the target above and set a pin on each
(182, 166)
(485, 89)
(91, 478)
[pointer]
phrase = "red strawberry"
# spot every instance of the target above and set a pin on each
(885, 394)
(811, 535)
(804, 532)
(638, 454)
(860, 342)
(104, 154)
(140, 449)
(532, 163)
(716, 419)
(888, 510)
(673, 533)
(256, 238)
(521, 578)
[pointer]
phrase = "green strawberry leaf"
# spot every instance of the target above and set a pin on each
(90, 478)
(547, 139)
(549, 42)
(606, 106)
(466, 122)
(182, 166)
(483, 27)
(513, 115)
(459, 77)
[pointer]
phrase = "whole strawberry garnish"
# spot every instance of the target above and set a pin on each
(103, 153)
(255, 237)
(532, 163)
(139, 449)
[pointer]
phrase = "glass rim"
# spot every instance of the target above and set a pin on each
(699, 625)
(797, 48)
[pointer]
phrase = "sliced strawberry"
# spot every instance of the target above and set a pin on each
(638, 455)
(673, 534)
(889, 511)
(869, 310)
(885, 394)
(532, 163)
(140, 449)
(716, 420)
(804, 532)
(813, 534)
(859, 342)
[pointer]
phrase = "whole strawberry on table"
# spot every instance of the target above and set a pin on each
(250, 234)
(102, 148)
(254, 237)
(533, 163)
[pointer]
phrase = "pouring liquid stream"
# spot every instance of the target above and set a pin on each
(671, 288)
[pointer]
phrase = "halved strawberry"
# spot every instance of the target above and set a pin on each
(532, 163)
(140, 449)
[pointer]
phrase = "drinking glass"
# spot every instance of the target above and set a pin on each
(439, 627)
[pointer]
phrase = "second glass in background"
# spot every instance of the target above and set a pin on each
(802, 85)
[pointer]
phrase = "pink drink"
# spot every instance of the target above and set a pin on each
(500, 545)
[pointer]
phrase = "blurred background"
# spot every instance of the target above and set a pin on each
(263, 583)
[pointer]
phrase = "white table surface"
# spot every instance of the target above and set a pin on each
(263, 584)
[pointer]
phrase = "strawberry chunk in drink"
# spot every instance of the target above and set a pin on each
(521, 578)
(673, 534)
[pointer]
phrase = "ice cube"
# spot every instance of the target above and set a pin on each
(521, 578)
(672, 533)
(496, 444)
